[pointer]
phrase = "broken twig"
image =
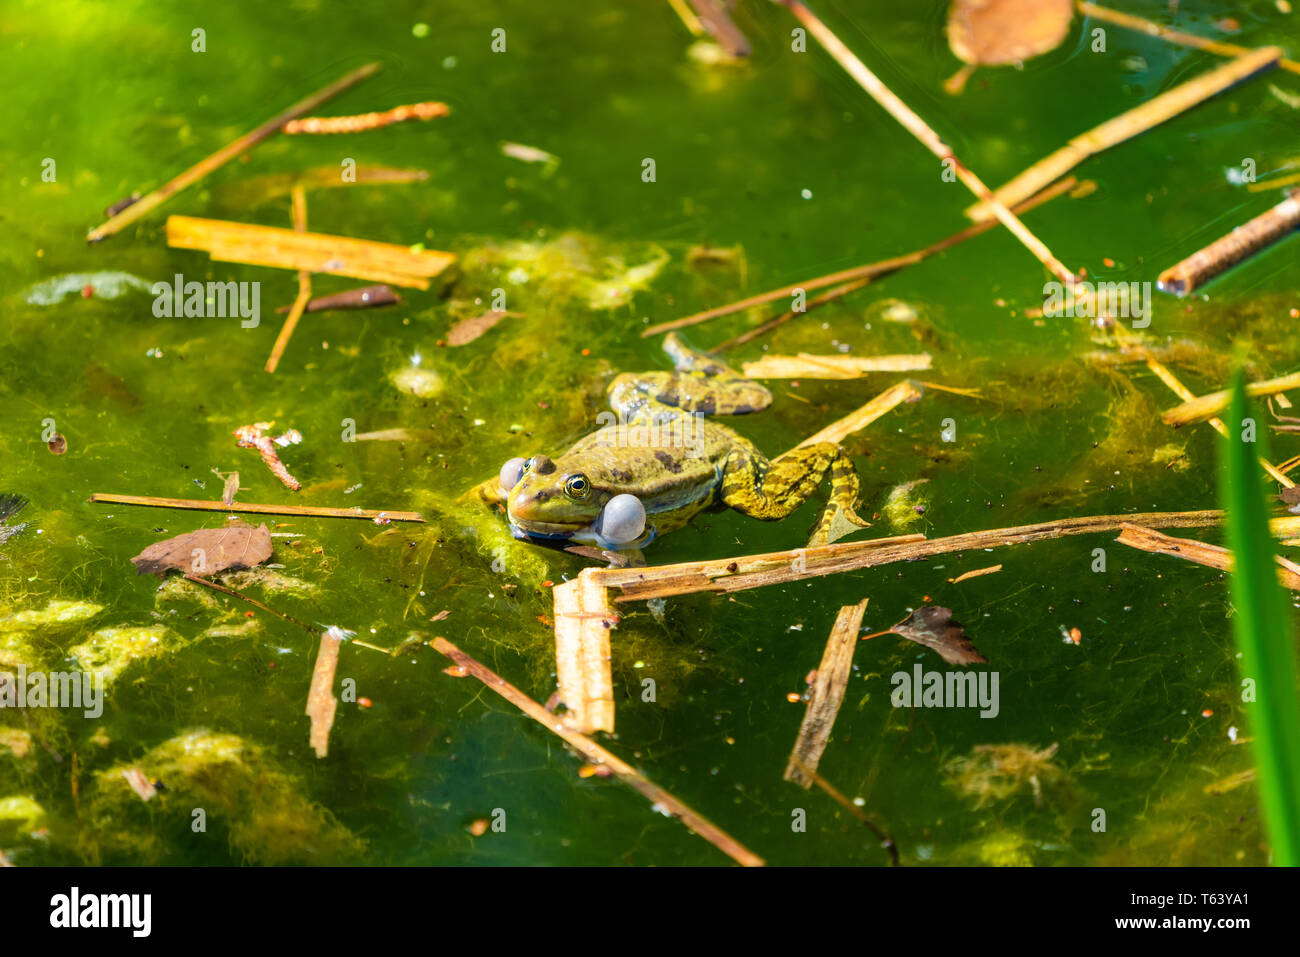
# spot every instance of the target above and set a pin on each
(1224, 253)
(1212, 556)
(246, 507)
(592, 751)
(224, 155)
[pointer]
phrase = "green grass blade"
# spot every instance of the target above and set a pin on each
(1263, 630)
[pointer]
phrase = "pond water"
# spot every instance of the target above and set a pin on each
(786, 164)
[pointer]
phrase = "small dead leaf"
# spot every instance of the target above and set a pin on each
(1002, 32)
(58, 445)
(933, 627)
(467, 330)
(207, 551)
(441, 615)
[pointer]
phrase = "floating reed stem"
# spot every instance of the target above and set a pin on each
(244, 507)
(304, 284)
(1245, 240)
(313, 252)
(1165, 375)
(596, 754)
(1212, 556)
(1173, 36)
(714, 17)
(870, 270)
(894, 396)
(809, 366)
(224, 155)
(1129, 124)
(777, 321)
(194, 579)
(886, 840)
(1201, 408)
(928, 137)
(771, 568)
(825, 695)
(366, 121)
(847, 277)
(688, 17)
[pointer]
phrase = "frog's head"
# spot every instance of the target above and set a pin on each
(545, 501)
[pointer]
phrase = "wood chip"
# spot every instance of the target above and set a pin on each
(825, 694)
(583, 619)
(321, 703)
(990, 570)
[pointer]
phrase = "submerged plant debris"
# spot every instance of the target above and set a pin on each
(586, 191)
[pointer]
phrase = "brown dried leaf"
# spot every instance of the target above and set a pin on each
(932, 626)
(1000, 32)
(207, 551)
(467, 330)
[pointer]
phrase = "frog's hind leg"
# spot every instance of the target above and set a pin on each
(774, 492)
(701, 385)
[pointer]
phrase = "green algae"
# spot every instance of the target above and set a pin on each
(20, 814)
(240, 791)
(110, 651)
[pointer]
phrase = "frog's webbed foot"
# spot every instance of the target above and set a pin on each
(837, 521)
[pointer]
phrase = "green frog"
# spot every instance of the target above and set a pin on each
(657, 462)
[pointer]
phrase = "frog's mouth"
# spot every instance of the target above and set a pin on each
(544, 532)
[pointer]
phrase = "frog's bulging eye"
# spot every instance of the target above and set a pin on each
(577, 486)
(511, 473)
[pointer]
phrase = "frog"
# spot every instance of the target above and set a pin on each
(659, 460)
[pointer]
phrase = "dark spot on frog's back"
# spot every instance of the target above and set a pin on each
(621, 476)
(668, 462)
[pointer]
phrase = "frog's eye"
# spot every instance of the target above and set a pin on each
(577, 486)
(511, 473)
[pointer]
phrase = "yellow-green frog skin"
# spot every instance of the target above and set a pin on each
(661, 449)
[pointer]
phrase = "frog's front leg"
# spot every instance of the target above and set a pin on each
(772, 490)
